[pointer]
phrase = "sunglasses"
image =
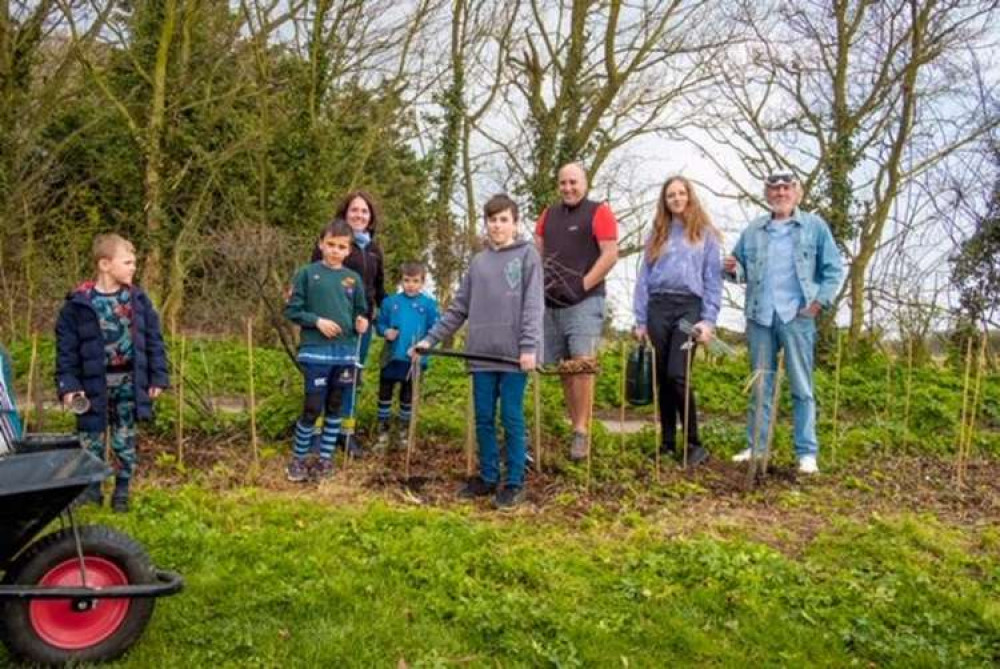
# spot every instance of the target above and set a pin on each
(776, 178)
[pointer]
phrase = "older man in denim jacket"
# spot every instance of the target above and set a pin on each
(792, 270)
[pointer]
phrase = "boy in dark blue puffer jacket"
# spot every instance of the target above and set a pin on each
(109, 349)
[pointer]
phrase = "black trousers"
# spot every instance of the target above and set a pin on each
(662, 323)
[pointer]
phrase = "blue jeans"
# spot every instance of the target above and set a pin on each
(508, 387)
(348, 399)
(798, 339)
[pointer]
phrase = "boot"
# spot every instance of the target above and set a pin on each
(119, 498)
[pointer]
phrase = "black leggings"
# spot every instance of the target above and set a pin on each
(314, 404)
(664, 315)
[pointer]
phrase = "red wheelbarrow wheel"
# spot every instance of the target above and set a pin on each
(52, 631)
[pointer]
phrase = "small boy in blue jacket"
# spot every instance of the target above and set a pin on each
(405, 318)
(109, 349)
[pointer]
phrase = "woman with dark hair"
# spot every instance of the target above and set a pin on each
(680, 278)
(366, 258)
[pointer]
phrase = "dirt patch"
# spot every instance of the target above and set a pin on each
(783, 508)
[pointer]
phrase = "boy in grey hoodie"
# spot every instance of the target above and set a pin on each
(502, 298)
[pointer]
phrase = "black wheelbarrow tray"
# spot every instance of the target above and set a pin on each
(80, 593)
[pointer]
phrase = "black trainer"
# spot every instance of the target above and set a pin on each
(509, 497)
(668, 450)
(119, 498)
(353, 447)
(696, 455)
(477, 487)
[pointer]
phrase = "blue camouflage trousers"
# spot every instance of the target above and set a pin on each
(121, 428)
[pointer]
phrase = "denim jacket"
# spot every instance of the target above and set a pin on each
(817, 261)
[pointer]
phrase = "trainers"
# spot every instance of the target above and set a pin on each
(119, 503)
(323, 469)
(668, 450)
(477, 487)
(382, 442)
(807, 465)
(404, 436)
(743, 456)
(296, 471)
(509, 497)
(353, 447)
(696, 455)
(578, 449)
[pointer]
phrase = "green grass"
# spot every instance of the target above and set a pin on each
(280, 580)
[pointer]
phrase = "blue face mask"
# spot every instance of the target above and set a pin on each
(362, 238)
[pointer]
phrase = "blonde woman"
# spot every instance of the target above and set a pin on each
(680, 278)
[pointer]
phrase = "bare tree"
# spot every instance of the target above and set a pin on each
(860, 98)
(596, 75)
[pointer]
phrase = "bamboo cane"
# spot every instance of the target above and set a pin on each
(974, 412)
(181, 363)
(775, 397)
(253, 395)
(208, 376)
(31, 382)
(470, 426)
(656, 411)
(758, 382)
(621, 413)
(908, 391)
(959, 464)
(590, 424)
(536, 384)
(836, 397)
(687, 399)
(888, 386)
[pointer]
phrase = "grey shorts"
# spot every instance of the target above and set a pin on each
(574, 332)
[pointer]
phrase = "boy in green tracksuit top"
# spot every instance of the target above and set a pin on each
(328, 303)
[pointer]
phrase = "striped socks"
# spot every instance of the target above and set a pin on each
(328, 441)
(303, 439)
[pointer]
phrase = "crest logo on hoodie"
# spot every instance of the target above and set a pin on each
(512, 272)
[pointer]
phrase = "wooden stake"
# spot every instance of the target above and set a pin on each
(536, 385)
(836, 396)
(253, 395)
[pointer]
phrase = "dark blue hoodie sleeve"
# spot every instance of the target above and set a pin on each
(68, 364)
(156, 352)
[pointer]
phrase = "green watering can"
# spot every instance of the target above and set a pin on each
(639, 376)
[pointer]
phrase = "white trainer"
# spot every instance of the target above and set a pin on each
(807, 465)
(743, 455)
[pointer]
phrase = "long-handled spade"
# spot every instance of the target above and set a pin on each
(688, 347)
(411, 435)
(347, 427)
(479, 357)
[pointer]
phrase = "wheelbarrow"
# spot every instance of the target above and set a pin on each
(79, 593)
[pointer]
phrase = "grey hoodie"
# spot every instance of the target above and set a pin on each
(501, 297)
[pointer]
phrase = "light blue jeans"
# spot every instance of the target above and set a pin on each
(798, 339)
